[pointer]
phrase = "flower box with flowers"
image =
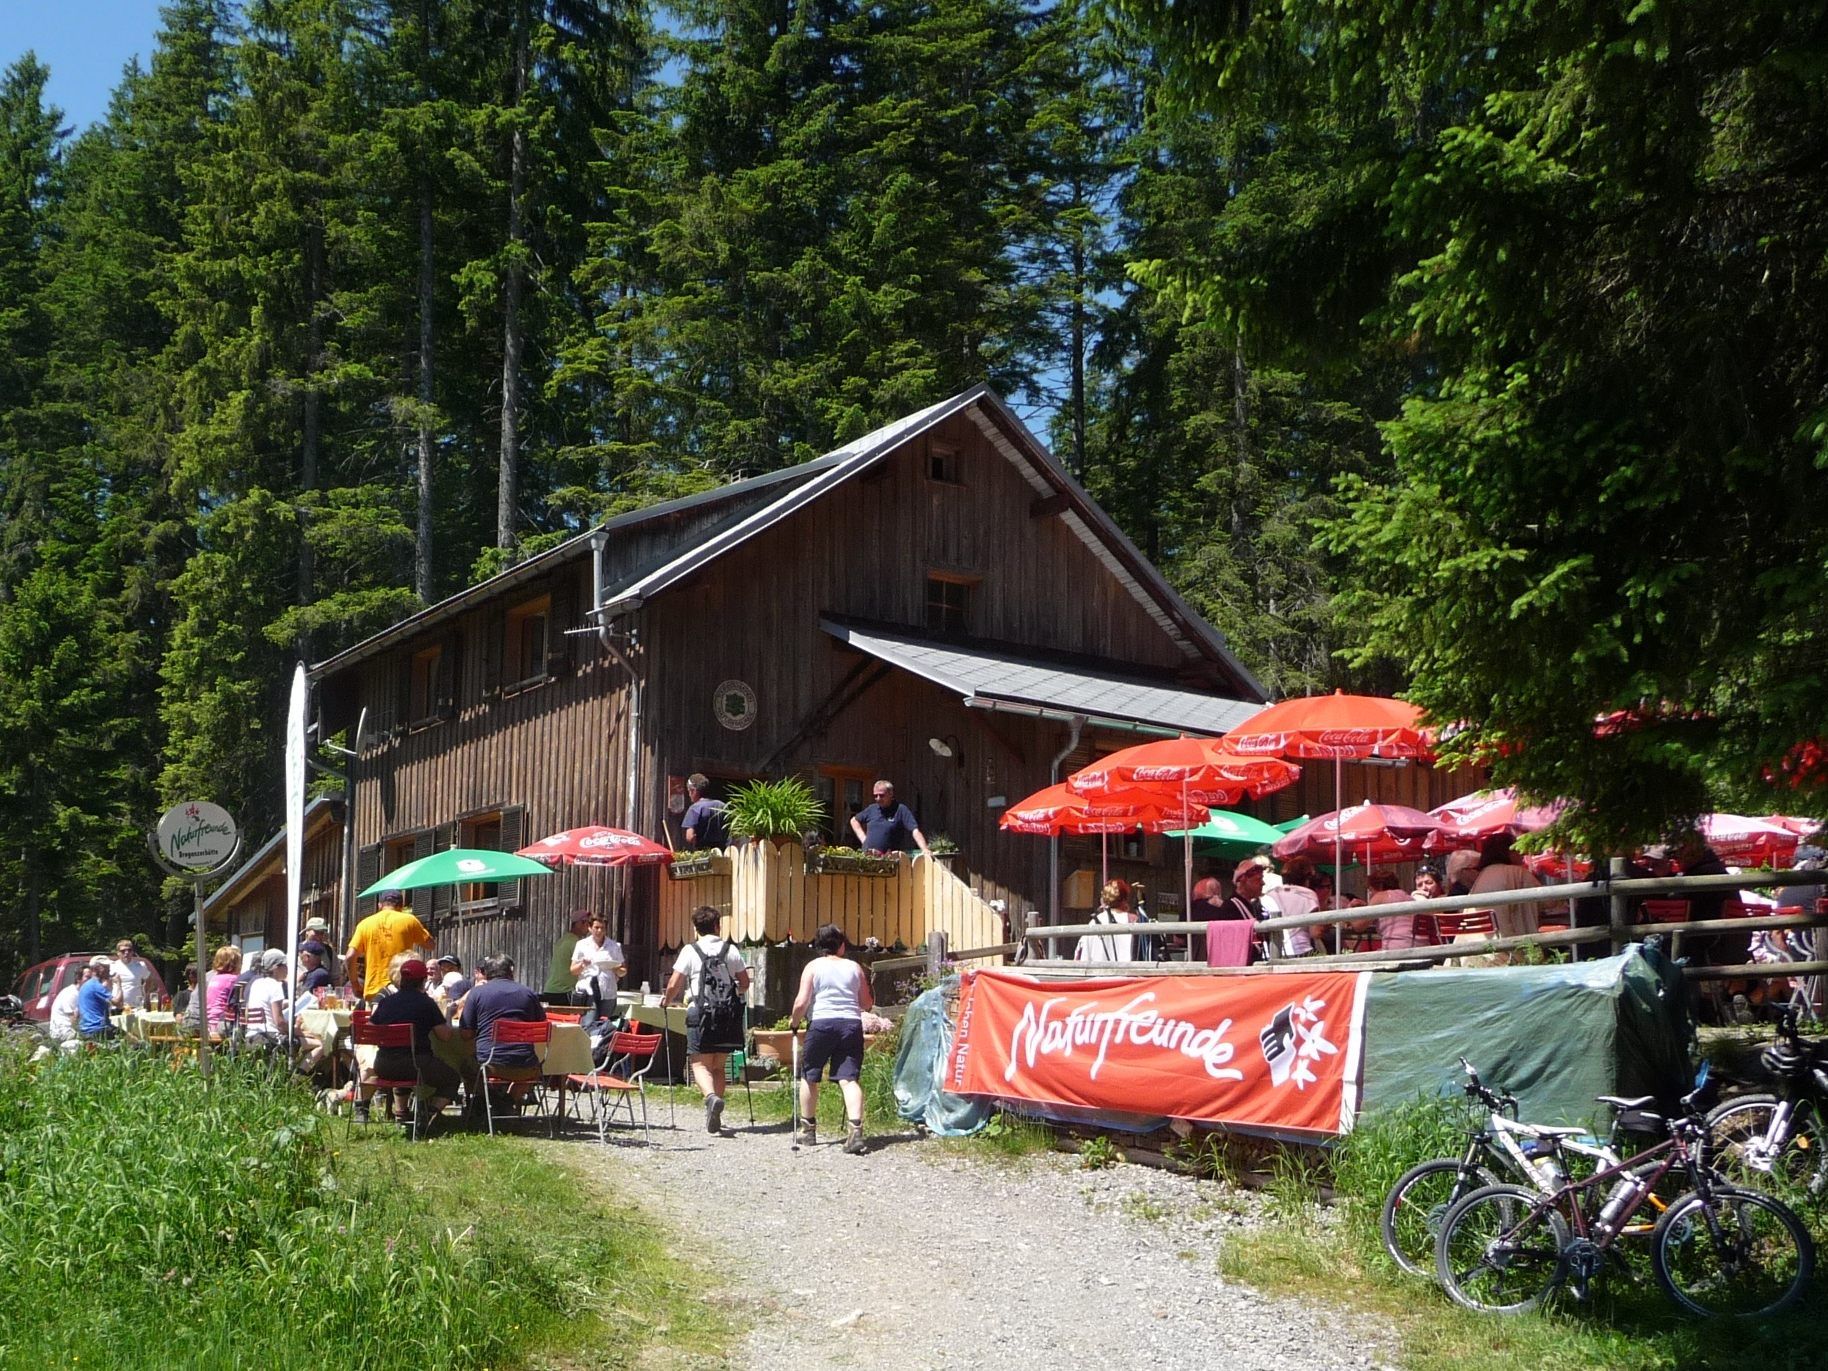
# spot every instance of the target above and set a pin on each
(849, 861)
(689, 866)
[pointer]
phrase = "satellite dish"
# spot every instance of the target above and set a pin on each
(940, 747)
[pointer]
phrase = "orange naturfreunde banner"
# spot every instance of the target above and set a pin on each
(1274, 1051)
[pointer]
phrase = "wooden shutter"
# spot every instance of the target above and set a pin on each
(494, 629)
(513, 835)
(443, 896)
(402, 691)
(450, 677)
(367, 872)
(558, 620)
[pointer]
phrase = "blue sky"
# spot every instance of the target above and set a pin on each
(85, 43)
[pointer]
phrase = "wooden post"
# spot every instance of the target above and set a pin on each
(1619, 912)
(936, 951)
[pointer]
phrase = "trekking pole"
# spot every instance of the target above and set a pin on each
(743, 1058)
(793, 1086)
(672, 1081)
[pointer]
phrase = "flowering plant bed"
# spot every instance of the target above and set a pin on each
(848, 861)
(689, 866)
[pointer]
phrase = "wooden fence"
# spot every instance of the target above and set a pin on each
(1618, 931)
(769, 894)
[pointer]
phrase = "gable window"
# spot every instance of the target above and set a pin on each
(525, 640)
(943, 462)
(948, 603)
(422, 686)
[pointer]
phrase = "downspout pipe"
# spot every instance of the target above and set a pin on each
(637, 686)
(1076, 723)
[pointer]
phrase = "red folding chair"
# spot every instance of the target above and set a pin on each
(510, 1033)
(366, 1034)
(622, 1080)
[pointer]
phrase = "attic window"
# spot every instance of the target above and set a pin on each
(948, 603)
(422, 693)
(943, 462)
(524, 641)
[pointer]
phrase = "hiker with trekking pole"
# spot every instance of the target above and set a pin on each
(713, 980)
(834, 993)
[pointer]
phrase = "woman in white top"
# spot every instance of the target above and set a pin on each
(597, 962)
(265, 1020)
(1293, 897)
(834, 993)
(1115, 908)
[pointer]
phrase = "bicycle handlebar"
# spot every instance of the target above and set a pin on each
(1498, 1101)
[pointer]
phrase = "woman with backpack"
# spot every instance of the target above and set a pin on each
(834, 993)
(711, 977)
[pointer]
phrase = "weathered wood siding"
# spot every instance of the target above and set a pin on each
(555, 750)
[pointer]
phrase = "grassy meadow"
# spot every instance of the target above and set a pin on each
(149, 1220)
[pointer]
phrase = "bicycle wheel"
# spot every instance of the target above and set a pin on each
(1740, 1254)
(1739, 1132)
(1500, 1251)
(1418, 1202)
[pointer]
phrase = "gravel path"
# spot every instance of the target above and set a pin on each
(952, 1260)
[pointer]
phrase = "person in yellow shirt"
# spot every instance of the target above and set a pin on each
(384, 935)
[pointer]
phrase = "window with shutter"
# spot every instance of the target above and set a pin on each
(424, 676)
(513, 838)
(443, 897)
(525, 641)
(367, 872)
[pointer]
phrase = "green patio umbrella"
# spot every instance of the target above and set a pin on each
(1291, 825)
(1233, 834)
(458, 864)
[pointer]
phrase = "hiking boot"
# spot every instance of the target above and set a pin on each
(359, 1114)
(808, 1135)
(854, 1145)
(714, 1114)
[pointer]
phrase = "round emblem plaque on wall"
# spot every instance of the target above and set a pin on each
(734, 704)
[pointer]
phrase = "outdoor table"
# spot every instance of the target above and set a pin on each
(138, 1024)
(330, 1026)
(567, 1054)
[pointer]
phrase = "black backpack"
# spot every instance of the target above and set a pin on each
(719, 1007)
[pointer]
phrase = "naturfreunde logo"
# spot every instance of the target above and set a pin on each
(1043, 1032)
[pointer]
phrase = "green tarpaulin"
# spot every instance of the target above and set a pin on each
(1554, 1036)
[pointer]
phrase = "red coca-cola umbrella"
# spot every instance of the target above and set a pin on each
(1059, 810)
(1377, 832)
(1187, 770)
(1801, 827)
(1339, 726)
(1196, 769)
(596, 846)
(1749, 842)
(1471, 819)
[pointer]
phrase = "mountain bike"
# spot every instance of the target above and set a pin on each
(1419, 1201)
(1718, 1249)
(1776, 1137)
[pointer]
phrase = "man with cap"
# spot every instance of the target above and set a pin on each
(438, 1079)
(313, 973)
(559, 979)
(94, 1002)
(384, 935)
(1246, 900)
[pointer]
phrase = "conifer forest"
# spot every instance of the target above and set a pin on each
(1472, 351)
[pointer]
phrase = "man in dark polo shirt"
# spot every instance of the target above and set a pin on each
(495, 996)
(887, 826)
(705, 825)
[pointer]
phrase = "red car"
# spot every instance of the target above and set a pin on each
(40, 984)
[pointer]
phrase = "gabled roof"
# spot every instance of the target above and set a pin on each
(731, 499)
(753, 506)
(1045, 476)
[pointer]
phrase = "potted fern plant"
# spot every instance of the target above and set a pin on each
(773, 811)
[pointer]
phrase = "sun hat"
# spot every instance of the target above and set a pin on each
(99, 960)
(273, 956)
(1245, 867)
